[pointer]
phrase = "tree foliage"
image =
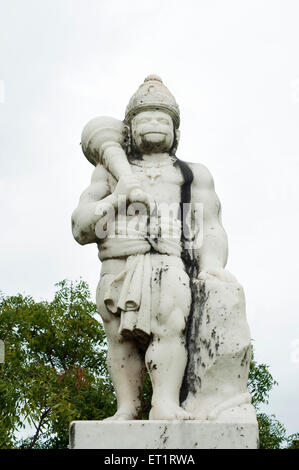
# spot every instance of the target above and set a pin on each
(260, 382)
(55, 371)
(272, 432)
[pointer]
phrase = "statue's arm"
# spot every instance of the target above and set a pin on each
(84, 218)
(213, 251)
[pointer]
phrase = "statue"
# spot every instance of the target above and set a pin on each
(167, 302)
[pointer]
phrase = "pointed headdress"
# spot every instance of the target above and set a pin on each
(152, 95)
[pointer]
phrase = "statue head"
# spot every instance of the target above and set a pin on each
(153, 118)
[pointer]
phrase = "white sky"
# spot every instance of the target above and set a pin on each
(233, 68)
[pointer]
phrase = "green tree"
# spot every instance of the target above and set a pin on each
(271, 432)
(55, 371)
(293, 441)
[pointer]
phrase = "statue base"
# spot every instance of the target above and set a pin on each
(162, 435)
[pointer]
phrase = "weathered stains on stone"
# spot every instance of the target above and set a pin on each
(164, 438)
(72, 435)
(217, 344)
(198, 380)
(244, 360)
(151, 366)
(157, 275)
(207, 344)
(160, 276)
(191, 381)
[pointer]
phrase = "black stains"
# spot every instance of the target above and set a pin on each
(160, 276)
(163, 436)
(72, 435)
(207, 345)
(191, 380)
(191, 263)
(244, 360)
(157, 276)
(151, 366)
(192, 268)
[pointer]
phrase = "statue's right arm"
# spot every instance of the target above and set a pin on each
(84, 218)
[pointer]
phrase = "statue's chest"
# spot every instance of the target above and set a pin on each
(162, 182)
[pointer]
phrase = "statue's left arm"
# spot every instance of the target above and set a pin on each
(213, 250)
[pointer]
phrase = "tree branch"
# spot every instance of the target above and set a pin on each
(38, 428)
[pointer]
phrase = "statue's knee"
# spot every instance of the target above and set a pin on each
(176, 293)
(111, 327)
(172, 326)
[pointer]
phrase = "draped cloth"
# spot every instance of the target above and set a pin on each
(134, 293)
(130, 295)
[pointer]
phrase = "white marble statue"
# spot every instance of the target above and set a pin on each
(167, 303)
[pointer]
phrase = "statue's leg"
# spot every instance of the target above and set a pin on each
(126, 367)
(125, 363)
(166, 356)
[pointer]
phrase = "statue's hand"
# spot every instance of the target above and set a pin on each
(130, 187)
(105, 207)
(218, 273)
(126, 184)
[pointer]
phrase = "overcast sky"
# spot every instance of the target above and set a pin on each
(233, 67)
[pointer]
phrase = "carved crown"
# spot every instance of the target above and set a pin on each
(151, 95)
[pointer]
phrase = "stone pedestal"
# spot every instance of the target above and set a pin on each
(162, 435)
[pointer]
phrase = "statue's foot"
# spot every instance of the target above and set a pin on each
(123, 414)
(168, 411)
